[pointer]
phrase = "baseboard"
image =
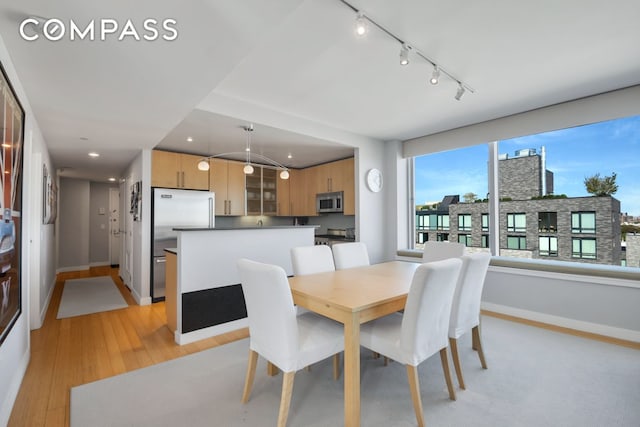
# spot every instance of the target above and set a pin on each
(563, 322)
(139, 299)
(100, 264)
(211, 331)
(14, 388)
(74, 268)
(45, 306)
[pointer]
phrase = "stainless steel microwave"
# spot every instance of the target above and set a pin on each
(330, 202)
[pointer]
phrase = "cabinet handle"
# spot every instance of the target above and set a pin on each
(228, 207)
(178, 179)
(182, 179)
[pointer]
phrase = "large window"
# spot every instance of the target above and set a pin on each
(465, 239)
(464, 222)
(557, 193)
(547, 222)
(548, 246)
(583, 222)
(584, 248)
(485, 222)
(516, 242)
(517, 222)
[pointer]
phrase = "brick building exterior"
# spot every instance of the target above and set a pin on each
(577, 229)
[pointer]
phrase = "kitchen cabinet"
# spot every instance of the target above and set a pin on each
(261, 190)
(283, 191)
(177, 170)
(226, 180)
(302, 192)
(328, 177)
(347, 184)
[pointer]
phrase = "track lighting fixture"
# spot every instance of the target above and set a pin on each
(460, 92)
(364, 21)
(248, 169)
(404, 55)
(435, 76)
(361, 27)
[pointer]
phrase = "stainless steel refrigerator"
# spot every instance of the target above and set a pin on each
(175, 209)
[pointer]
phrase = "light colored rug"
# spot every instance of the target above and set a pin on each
(89, 295)
(535, 378)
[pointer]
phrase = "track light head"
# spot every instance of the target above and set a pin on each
(435, 76)
(460, 92)
(404, 55)
(361, 26)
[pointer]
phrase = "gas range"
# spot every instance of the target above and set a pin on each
(333, 237)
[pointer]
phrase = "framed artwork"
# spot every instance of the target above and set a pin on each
(11, 146)
(50, 197)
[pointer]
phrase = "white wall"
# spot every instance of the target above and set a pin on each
(593, 304)
(38, 253)
(73, 220)
(138, 233)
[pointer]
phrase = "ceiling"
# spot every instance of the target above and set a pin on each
(296, 71)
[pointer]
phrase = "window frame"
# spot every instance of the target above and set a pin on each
(580, 253)
(464, 217)
(550, 252)
(579, 228)
(512, 226)
(520, 240)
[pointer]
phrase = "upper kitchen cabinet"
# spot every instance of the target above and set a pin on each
(261, 190)
(177, 170)
(283, 191)
(226, 179)
(334, 176)
(348, 185)
(302, 192)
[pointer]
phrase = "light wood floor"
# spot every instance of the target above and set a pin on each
(77, 350)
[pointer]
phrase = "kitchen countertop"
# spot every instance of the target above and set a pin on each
(334, 237)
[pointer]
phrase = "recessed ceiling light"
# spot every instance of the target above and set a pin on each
(189, 139)
(289, 156)
(112, 179)
(94, 154)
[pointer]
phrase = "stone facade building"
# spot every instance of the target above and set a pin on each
(577, 229)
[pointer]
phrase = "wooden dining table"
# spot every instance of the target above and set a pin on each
(354, 296)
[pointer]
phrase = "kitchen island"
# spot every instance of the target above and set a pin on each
(206, 296)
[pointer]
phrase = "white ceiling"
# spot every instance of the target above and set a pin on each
(296, 71)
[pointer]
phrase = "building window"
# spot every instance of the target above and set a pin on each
(484, 241)
(442, 237)
(583, 248)
(516, 242)
(517, 222)
(464, 222)
(485, 222)
(423, 237)
(583, 222)
(548, 246)
(547, 222)
(465, 239)
(443, 222)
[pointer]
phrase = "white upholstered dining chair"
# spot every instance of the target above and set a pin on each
(422, 330)
(350, 255)
(311, 259)
(287, 340)
(465, 311)
(437, 251)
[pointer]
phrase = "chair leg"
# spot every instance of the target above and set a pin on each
(336, 366)
(475, 333)
(414, 387)
(453, 343)
(272, 370)
(447, 373)
(285, 399)
(251, 373)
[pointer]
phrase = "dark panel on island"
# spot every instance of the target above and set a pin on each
(210, 307)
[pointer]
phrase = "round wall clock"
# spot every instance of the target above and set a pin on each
(374, 180)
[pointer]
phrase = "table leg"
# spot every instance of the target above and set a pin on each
(352, 372)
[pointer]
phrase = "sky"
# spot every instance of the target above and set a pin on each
(573, 154)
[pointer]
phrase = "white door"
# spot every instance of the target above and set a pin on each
(114, 226)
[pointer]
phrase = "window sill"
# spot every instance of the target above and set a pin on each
(549, 266)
